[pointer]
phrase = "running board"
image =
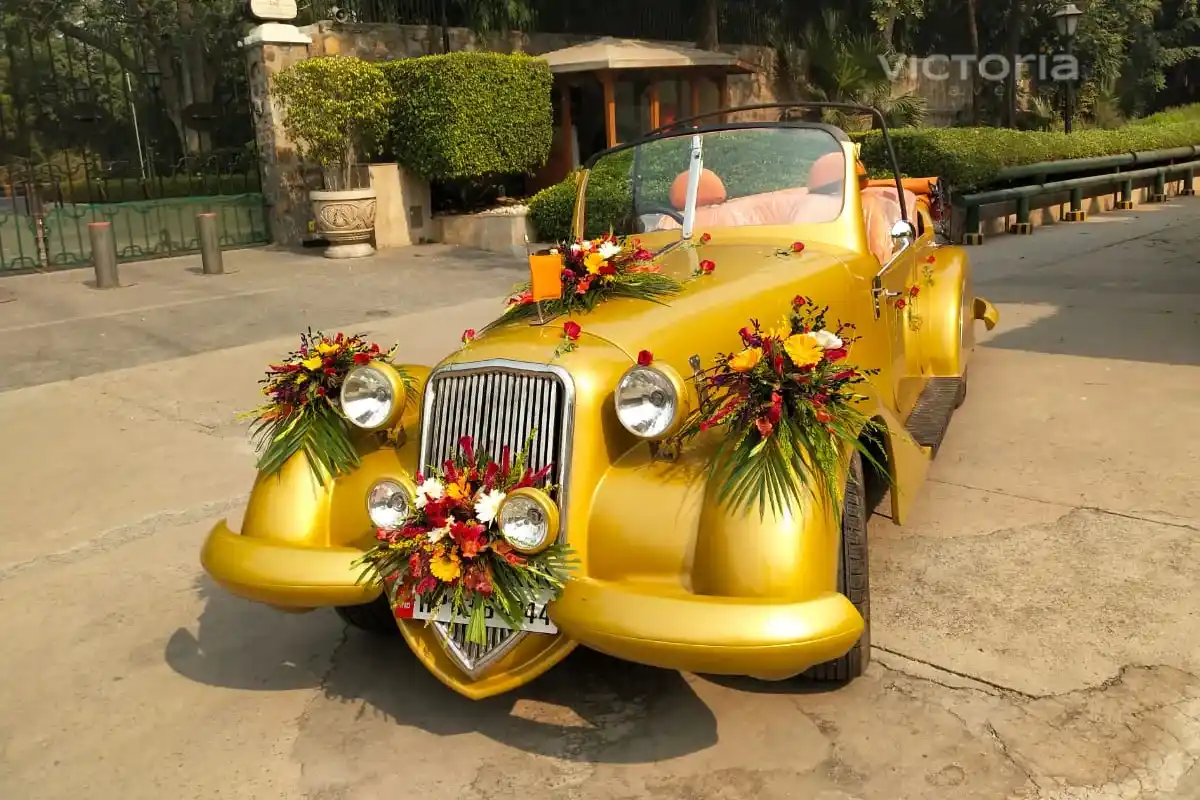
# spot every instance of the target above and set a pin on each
(930, 417)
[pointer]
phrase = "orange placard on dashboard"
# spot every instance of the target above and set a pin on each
(545, 277)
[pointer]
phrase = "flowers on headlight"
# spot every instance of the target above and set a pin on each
(453, 548)
(303, 410)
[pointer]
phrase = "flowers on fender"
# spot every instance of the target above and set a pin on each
(705, 238)
(746, 360)
(804, 349)
(445, 567)
(645, 358)
(431, 489)
(914, 291)
(794, 249)
(608, 249)
(900, 304)
(705, 267)
(468, 336)
(827, 340)
(571, 332)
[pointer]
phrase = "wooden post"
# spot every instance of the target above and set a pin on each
(565, 119)
(655, 107)
(723, 97)
(610, 108)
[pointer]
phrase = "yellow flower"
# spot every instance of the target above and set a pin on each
(458, 491)
(312, 363)
(804, 349)
(593, 261)
(782, 329)
(445, 568)
(746, 360)
(325, 348)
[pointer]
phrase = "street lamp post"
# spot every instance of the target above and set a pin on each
(1066, 19)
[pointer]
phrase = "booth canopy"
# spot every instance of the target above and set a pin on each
(613, 54)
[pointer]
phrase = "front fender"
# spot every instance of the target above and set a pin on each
(948, 335)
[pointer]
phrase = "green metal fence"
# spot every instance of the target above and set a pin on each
(143, 229)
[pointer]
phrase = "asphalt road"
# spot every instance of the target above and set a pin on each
(1036, 626)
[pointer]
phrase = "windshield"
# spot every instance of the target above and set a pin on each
(751, 176)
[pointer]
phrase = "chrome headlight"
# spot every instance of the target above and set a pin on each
(372, 395)
(389, 504)
(528, 520)
(650, 401)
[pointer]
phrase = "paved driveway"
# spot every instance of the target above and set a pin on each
(1036, 624)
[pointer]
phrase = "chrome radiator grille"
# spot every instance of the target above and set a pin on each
(497, 403)
(498, 406)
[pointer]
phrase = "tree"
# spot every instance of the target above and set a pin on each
(710, 22)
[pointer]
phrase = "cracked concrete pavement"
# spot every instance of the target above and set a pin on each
(1036, 626)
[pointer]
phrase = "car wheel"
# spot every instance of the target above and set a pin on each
(853, 578)
(374, 617)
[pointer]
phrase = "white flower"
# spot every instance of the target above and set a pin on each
(575, 248)
(431, 489)
(487, 505)
(609, 249)
(437, 534)
(827, 340)
(587, 246)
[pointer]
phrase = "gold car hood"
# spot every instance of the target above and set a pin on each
(749, 281)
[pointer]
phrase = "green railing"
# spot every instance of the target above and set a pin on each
(143, 229)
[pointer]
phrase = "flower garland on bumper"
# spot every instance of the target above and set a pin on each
(788, 407)
(450, 549)
(303, 412)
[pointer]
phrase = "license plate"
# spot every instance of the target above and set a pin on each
(534, 620)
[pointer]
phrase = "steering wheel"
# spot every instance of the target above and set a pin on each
(664, 210)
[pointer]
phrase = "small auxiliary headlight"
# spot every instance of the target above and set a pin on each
(651, 401)
(528, 520)
(389, 503)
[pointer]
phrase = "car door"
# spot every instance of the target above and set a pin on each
(891, 292)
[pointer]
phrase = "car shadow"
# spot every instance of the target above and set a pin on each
(598, 703)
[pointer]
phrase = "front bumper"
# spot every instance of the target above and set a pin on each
(284, 575)
(665, 626)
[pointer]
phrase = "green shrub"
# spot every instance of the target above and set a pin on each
(470, 115)
(131, 190)
(550, 210)
(336, 110)
(971, 158)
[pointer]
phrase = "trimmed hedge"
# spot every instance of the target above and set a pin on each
(970, 158)
(131, 190)
(470, 115)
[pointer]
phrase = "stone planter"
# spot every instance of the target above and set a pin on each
(345, 219)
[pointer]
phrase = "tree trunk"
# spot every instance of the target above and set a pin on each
(1015, 13)
(973, 36)
(710, 21)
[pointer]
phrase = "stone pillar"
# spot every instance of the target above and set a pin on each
(270, 48)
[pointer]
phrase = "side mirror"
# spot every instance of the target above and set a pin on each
(903, 235)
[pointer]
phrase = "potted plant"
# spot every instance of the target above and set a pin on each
(336, 110)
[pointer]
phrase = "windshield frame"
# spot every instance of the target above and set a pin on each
(697, 156)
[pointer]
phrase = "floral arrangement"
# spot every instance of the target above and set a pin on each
(787, 404)
(303, 412)
(595, 271)
(909, 298)
(451, 549)
(794, 249)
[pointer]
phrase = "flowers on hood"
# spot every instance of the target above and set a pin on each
(431, 489)
(804, 349)
(827, 339)
(746, 360)
(487, 505)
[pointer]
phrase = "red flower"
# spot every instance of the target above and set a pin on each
(320, 391)
(797, 247)
(467, 445)
(362, 358)
(505, 551)
(468, 336)
(931, 259)
(478, 579)
(823, 415)
(779, 364)
(607, 269)
(645, 358)
(584, 285)
(764, 427)
(914, 291)
(845, 374)
(707, 266)
(571, 330)
(642, 254)
(469, 538)
(799, 300)
(416, 566)
(900, 304)
(427, 584)
(705, 238)
(834, 356)
(330, 371)
(775, 411)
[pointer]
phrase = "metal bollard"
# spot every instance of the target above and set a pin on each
(210, 245)
(104, 255)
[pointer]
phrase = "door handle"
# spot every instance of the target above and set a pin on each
(879, 293)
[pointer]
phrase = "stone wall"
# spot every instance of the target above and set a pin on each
(384, 42)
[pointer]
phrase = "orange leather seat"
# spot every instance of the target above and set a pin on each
(881, 211)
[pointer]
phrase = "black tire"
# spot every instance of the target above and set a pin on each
(375, 617)
(853, 579)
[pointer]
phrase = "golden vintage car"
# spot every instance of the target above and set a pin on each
(667, 574)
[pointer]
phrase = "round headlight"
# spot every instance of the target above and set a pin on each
(389, 504)
(368, 397)
(528, 520)
(647, 402)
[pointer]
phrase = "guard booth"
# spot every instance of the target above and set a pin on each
(611, 91)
